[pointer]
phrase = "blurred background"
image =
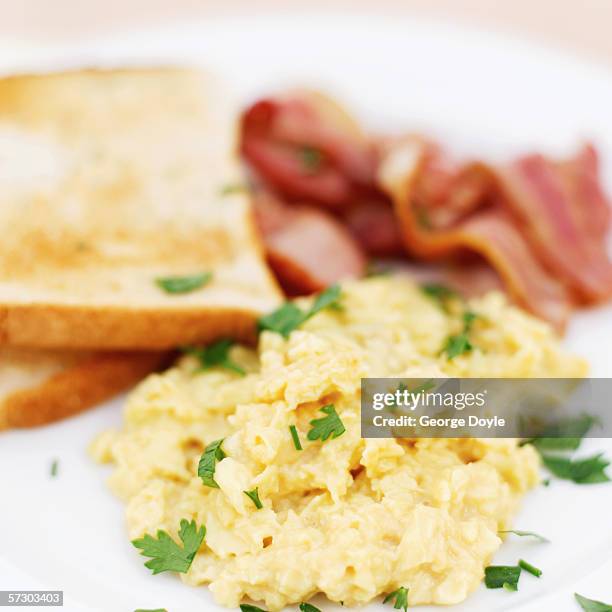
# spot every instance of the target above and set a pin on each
(578, 25)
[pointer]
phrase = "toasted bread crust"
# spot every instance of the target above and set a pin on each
(52, 326)
(115, 180)
(77, 388)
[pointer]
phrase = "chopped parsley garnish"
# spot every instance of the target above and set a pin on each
(327, 426)
(546, 482)
(156, 610)
(528, 534)
(502, 576)
(310, 158)
(54, 468)
(208, 462)
(295, 437)
(590, 470)
(401, 598)
(306, 607)
(289, 316)
(166, 555)
(459, 344)
(530, 568)
(250, 608)
(254, 497)
(231, 188)
(439, 292)
(566, 435)
(215, 355)
(183, 284)
(590, 605)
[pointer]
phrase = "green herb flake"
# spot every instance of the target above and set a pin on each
(498, 576)
(166, 555)
(54, 468)
(208, 462)
(457, 345)
(310, 158)
(526, 534)
(546, 482)
(438, 292)
(590, 605)
(565, 435)
(156, 610)
(250, 608)
(254, 497)
(327, 426)
(306, 607)
(401, 599)
(534, 571)
(295, 437)
(215, 355)
(590, 470)
(183, 284)
(289, 316)
(232, 188)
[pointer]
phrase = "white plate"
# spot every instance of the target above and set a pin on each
(484, 94)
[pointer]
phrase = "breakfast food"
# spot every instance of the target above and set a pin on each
(120, 229)
(40, 387)
(406, 196)
(260, 462)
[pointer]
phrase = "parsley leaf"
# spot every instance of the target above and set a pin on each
(566, 435)
(460, 343)
(306, 607)
(590, 605)
(166, 555)
(401, 598)
(183, 284)
(216, 354)
(289, 316)
(457, 345)
(254, 497)
(590, 470)
(327, 426)
(231, 188)
(54, 468)
(531, 534)
(530, 568)
(208, 462)
(156, 610)
(296, 438)
(250, 608)
(498, 576)
(438, 292)
(310, 158)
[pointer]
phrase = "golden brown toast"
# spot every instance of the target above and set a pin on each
(40, 387)
(110, 180)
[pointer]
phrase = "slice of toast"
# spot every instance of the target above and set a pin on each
(40, 387)
(111, 180)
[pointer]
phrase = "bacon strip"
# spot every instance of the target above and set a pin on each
(541, 224)
(305, 147)
(490, 233)
(558, 205)
(307, 249)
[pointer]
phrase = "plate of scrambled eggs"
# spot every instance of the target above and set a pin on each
(243, 472)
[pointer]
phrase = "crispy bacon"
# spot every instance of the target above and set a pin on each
(490, 232)
(541, 224)
(558, 204)
(307, 248)
(304, 147)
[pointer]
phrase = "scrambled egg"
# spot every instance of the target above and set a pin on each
(348, 517)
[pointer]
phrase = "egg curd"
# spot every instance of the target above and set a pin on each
(348, 517)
